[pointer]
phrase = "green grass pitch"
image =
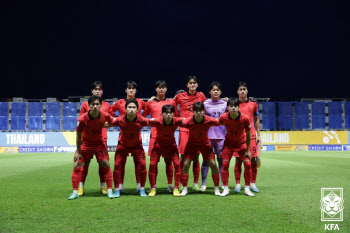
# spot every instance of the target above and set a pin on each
(34, 189)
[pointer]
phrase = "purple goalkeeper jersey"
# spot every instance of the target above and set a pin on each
(215, 109)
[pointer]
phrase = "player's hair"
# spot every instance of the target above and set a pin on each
(241, 83)
(131, 101)
(192, 77)
(130, 84)
(161, 83)
(93, 98)
(198, 106)
(215, 84)
(167, 107)
(232, 101)
(96, 84)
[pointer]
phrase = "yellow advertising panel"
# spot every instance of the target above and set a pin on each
(291, 148)
(70, 137)
(304, 137)
(8, 149)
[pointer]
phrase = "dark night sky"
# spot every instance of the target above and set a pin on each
(284, 50)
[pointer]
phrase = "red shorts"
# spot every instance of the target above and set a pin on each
(253, 148)
(167, 152)
(236, 151)
(183, 139)
(100, 151)
(135, 151)
(192, 150)
(86, 148)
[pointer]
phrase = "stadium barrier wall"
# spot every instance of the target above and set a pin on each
(34, 142)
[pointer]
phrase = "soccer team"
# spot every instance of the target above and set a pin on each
(227, 126)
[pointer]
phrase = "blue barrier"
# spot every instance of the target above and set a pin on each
(35, 119)
(4, 111)
(269, 115)
(318, 115)
(301, 115)
(285, 118)
(335, 115)
(18, 113)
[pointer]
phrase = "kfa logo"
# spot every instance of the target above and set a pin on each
(332, 204)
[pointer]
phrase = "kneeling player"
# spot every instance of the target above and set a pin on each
(165, 145)
(237, 142)
(198, 142)
(90, 143)
(130, 142)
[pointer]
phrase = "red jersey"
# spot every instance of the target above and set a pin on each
(165, 133)
(186, 102)
(155, 108)
(92, 127)
(120, 106)
(105, 107)
(235, 128)
(250, 109)
(198, 132)
(130, 131)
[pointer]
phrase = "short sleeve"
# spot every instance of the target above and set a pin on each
(80, 125)
(147, 109)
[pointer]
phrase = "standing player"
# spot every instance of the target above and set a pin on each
(198, 142)
(155, 108)
(130, 141)
(250, 108)
(237, 142)
(186, 101)
(214, 107)
(130, 89)
(90, 143)
(96, 89)
(165, 145)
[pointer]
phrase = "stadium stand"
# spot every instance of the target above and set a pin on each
(318, 115)
(4, 111)
(347, 114)
(285, 113)
(62, 116)
(69, 119)
(53, 116)
(35, 116)
(269, 115)
(18, 114)
(335, 115)
(301, 116)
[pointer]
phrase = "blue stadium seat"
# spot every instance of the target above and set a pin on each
(335, 115)
(285, 116)
(301, 115)
(318, 115)
(53, 116)
(69, 109)
(18, 114)
(4, 110)
(347, 114)
(269, 115)
(69, 121)
(35, 116)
